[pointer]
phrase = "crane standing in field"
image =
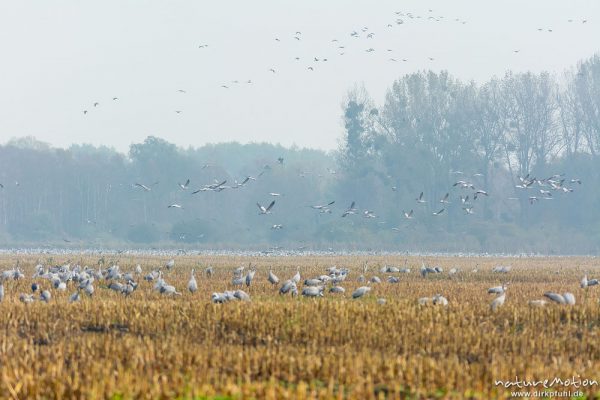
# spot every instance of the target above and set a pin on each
(360, 292)
(273, 279)
(250, 277)
(498, 301)
(192, 284)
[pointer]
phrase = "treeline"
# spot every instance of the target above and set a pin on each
(87, 196)
(433, 130)
(430, 132)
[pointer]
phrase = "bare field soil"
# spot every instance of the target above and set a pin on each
(148, 345)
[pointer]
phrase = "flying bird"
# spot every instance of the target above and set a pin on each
(350, 210)
(264, 210)
(322, 207)
(185, 185)
(369, 214)
(215, 187)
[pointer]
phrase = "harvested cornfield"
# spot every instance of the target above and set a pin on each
(152, 345)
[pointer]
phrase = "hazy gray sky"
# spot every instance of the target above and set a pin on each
(60, 57)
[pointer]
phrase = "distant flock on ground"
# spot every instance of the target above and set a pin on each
(82, 279)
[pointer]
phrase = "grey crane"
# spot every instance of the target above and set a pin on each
(218, 298)
(537, 303)
(273, 279)
(250, 277)
(241, 295)
(74, 297)
(565, 298)
(287, 287)
(26, 298)
(360, 292)
(498, 301)
(296, 277)
(169, 290)
(313, 291)
(497, 289)
(192, 284)
(45, 296)
(439, 299)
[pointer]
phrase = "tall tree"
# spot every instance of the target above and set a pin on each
(587, 95)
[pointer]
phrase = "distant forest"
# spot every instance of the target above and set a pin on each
(530, 141)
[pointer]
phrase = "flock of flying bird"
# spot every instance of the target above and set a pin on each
(362, 40)
(548, 189)
(535, 189)
(84, 279)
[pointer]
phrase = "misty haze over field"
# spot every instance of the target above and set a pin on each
(457, 126)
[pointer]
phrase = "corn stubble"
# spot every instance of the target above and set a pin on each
(274, 347)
